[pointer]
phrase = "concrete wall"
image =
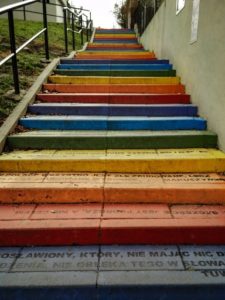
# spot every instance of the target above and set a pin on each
(36, 7)
(201, 65)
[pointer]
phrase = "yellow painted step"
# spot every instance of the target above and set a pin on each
(127, 161)
(112, 80)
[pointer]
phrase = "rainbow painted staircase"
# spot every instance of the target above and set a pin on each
(116, 180)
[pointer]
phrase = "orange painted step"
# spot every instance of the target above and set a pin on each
(115, 88)
(115, 56)
(112, 188)
(45, 225)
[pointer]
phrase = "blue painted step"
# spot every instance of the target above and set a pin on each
(112, 110)
(115, 67)
(113, 273)
(112, 123)
(111, 61)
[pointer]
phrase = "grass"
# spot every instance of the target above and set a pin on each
(30, 60)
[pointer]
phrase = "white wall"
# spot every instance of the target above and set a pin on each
(201, 65)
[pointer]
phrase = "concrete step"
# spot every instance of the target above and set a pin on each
(113, 61)
(95, 140)
(118, 161)
(178, 188)
(112, 123)
(140, 52)
(112, 55)
(114, 46)
(115, 67)
(116, 50)
(113, 272)
(121, 224)
(116, 41)
(104, 109)
(114, 30)
(112, 80)
(119, 93)
(115, 35)
(116, 73)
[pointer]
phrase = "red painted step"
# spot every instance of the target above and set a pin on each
(115, 98)
(111, 224)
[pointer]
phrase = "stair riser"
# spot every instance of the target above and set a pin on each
(167, 93)
(62, 79)
(114, 35)
(37, 193)
(126, 73)
(153, 111)
(115, 56)
(113, 62)
(117, 188)
(131, 165)
(114, 67)
(116, 41)
(112, 47)
(144, 235)
(122, 291)
(121, 49)
(97, 143)
(92, 124)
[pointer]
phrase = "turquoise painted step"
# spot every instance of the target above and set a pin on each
(126, 73)
(112, 123)
(123, 67)
(97, 140)
(112, 109)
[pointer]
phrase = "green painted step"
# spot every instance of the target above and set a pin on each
(97, 140)
(127, 73)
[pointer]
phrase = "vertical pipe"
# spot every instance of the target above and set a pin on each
(13, 50)
(73, 33)
(87, 30)
(65, 30)
(82, 32)
(45, 22)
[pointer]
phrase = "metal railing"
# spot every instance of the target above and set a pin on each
(77, 26)
(9, 9)
(143, 14)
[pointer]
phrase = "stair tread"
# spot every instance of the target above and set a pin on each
(128, 161)
(192, 188)
(78, 221)
(112, 80)
(67, 270)
(133, 118)
(105, 104)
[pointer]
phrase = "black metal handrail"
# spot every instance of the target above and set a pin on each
(9, 9)
(76, 22)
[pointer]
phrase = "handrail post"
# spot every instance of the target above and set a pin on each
(82, 33)
(13, 50)
(45, 22)
(73, 33)
(87, 29)
(65, 30)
